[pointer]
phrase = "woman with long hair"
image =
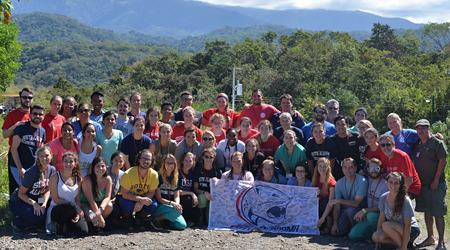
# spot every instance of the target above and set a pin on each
(217, 122)
(253, 159)
(246, 132)
(396, 225)
(65, 208)
(163, 145)
(108, 138)
(29, 202)
(188, 199)
(168, 195)
(237, 171)
(231, 116)
(268, 144)
(152, 123)
(63, 144)
(96, 194)
(324, 180)
(230, 145)
(133, 143)
(69, 109)
(89, 149)
(202, 174)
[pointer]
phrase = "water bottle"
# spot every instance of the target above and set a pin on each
(91, 216)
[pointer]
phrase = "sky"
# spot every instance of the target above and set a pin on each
(417, 11)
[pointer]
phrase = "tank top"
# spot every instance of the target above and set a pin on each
(85, 160)
(65, 192)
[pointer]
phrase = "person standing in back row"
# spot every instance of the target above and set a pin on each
(258, 111)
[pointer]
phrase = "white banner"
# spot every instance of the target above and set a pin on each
(244, 206)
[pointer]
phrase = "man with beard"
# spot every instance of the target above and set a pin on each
(320, 113)
(346, 145)
(97, 101)
(123, 123)
(12, 120)
(27, 138)
(367, 218)
(139, 184)
(399, 161)
(186, 100)
(258, 111)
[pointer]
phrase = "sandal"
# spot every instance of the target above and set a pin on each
(425, 243)
(441, 247)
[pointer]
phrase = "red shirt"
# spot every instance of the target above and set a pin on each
(178, 133)
(377, 154)
(401, 162)
(331, 183)
(13, 117)
(257, 114)
(152, 132)
(250, 135)
(233, 117)
(269, 147)
(52, 126)
(218, 138)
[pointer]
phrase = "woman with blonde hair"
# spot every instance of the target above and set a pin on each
(324, 180)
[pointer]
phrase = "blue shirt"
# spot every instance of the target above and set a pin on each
(97, 119)
(78, 128)
(132, 147)
(329, 128)
(33, 184)
(280, 180)
(293, 182)
(405, 140)
(349, 190)
(30, 140)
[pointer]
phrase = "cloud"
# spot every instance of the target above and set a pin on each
(418, 11)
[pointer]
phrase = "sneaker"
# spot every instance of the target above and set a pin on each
(156, 224)
(15, 229)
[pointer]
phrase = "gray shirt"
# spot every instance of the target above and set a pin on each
(115, 181)
(182, 149)
(408, 211)
(375, 190)
(124, 126)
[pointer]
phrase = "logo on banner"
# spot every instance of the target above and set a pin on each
(262, 206)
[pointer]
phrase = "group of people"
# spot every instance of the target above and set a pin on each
(77, 169)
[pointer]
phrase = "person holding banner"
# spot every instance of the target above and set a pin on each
(269, 174)
(202, 174)
(188, 199)
(253, 159)
(237, 171)
(300, 176)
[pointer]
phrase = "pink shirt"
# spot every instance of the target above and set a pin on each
(58, 150)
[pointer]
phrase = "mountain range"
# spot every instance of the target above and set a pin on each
(181, 18)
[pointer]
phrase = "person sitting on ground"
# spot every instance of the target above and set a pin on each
(324, 180)
(188, 199)
(116, 173)
(202, 174)
(269, 173)
(245, 131)
(300, 176)
(367, 218)
(230, 145)
(138, 185)
(66, 143)
(168, 196)
(29, 202)
(237, 171)
(163, 145)
(396, 225)
(89, 149)
(253, 159)
(231, 116)
(65, 208)
(135, 142)
(96, 194)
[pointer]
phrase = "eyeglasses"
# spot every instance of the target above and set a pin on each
(383, 145)
(300, 171)
(320, 112)
(332, 108)
(208, 157)
(186, 99)
(83, 111)
(374, 168)
(27, 97)
(37, 114)
(146, 159)
(207, 139)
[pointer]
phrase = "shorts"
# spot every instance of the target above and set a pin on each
(432, 201)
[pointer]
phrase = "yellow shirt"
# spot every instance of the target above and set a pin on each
(137, 185)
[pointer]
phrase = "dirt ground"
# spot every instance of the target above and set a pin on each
(191, 238)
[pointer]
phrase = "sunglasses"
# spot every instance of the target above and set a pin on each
(320, 112)
(83, 110)
(374, 168)
(208, 157)
(27, 97)
(383, 145)
(207, 139)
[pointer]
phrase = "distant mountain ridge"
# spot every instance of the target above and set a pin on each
(181, 18)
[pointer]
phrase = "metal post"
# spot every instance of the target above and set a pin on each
(432, 110)
(233, 95)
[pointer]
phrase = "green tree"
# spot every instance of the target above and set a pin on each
(269, 37)
(438, 32)
(384, 38)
